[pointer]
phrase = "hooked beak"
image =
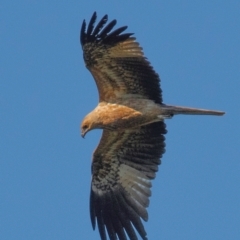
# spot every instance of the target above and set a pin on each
(83, 134)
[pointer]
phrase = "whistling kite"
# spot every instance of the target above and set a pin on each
(131, 113)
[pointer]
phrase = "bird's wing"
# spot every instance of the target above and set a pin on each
(117, 62)
(123, 165)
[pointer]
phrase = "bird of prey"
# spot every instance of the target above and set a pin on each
(131, 113)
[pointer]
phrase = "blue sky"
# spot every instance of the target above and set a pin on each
(45, 91)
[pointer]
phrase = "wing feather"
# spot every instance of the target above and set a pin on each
(83, 34)
(91, 24)
(107, 29)
(115, 33)
(120, 188)
(117, 63)
(100, 25)
(129, 209)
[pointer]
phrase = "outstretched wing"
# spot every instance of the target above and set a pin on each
(117, 62)
(123, 165)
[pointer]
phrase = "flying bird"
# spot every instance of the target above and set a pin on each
(131, 113)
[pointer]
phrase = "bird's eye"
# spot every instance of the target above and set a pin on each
(84, 127)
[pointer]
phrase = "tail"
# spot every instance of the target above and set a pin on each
(173, 110)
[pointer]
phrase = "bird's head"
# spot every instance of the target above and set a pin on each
(89, 122)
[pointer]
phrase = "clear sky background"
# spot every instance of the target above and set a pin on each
(45, 91)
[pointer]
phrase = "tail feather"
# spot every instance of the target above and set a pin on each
(173, 110)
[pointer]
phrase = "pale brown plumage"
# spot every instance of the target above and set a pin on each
(131, 114)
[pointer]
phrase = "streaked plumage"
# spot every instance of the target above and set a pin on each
(131, 114)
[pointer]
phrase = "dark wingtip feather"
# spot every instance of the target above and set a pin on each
(91, 24)
(107, 29)
(92, 210)
(117, 31)
(129, 207)
(101, 33)
(100, 25)
(83, 34)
